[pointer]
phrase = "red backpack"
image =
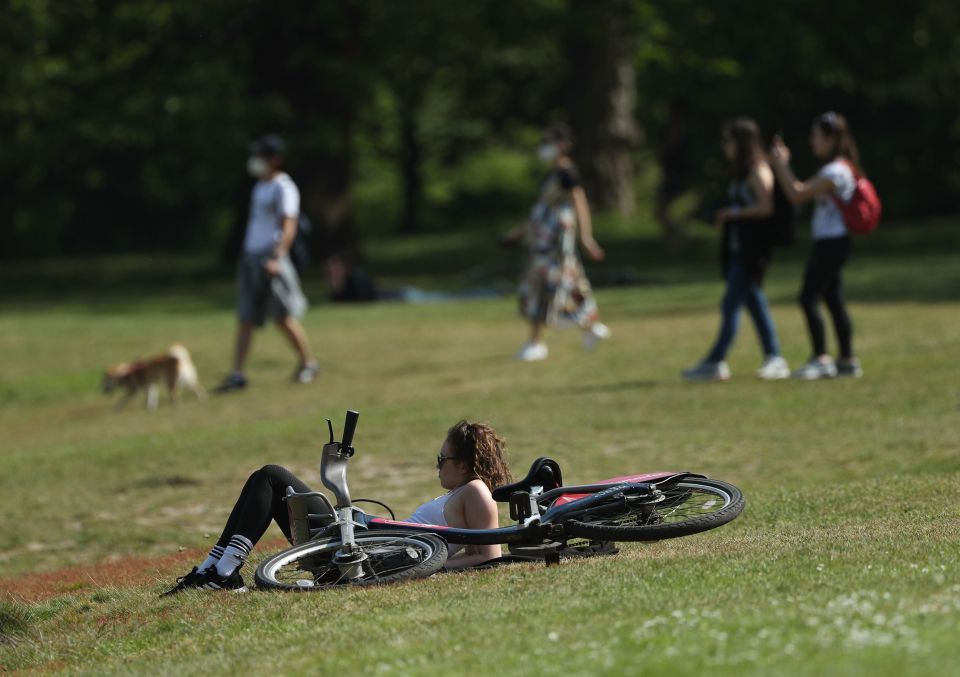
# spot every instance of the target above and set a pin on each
(862, 213)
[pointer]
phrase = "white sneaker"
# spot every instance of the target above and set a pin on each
(533, 352)
(774, 368)
(706, 370)
(814, 369)
(849, 366)
(593, 336)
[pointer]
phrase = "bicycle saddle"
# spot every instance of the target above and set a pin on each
(545, 472)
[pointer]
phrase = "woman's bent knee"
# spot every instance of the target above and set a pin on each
(273, 470)
(268, 473)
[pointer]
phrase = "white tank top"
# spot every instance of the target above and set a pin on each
(431, 512)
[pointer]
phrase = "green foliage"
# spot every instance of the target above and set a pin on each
(889, 71)
(128, 121)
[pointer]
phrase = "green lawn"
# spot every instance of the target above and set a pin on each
(844, 562)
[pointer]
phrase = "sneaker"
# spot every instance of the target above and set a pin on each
(849, 366)
(208, 580)
(533, 352)
(707, 370)
(234, 381)
(593, 336)
(184, 582)
(306, 373)
(774, 368)
(815, 369)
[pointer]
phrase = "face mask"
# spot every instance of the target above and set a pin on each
(547, 152)
(257, 166)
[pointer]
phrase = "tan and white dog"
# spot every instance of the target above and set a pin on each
(173, 368)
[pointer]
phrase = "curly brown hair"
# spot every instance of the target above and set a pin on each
(481, 449)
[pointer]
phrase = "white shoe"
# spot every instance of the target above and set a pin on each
(814, 369)
(533, 352)
(706, 370)
(849, 366)
(774, 368)
(593, 336)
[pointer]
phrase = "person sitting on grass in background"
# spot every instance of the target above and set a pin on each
(267, 282)
(833, 144)
(745, 252)
(554, 289)
(470, 464)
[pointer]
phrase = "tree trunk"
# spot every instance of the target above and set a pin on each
(602, 91)
(327, 200)
(326, 91)
(411, 163)
(671, 154)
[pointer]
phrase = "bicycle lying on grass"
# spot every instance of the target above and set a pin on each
(352, 547)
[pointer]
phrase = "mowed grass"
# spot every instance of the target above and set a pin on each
(844, 562)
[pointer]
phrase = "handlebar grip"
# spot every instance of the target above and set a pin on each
(349, 427)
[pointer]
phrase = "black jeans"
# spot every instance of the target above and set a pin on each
(823, 279)
(261, 500)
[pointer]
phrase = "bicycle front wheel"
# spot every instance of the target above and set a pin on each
(688, 506)
(387, 557)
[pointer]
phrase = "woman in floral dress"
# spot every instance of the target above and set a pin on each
(554, 289)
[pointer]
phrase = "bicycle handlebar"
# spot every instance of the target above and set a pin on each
(349, 427)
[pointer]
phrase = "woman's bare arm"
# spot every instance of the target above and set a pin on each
(761, 182)
(582, 208)
(796, 191)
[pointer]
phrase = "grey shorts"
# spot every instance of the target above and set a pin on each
(260, 294)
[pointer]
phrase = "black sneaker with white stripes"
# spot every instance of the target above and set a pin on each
(208, 580)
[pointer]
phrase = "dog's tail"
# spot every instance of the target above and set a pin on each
(179, 351)
(186, 371)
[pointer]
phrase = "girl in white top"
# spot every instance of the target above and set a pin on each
(833, 144)
(469, 465)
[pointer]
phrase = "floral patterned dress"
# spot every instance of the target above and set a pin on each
(554, 288)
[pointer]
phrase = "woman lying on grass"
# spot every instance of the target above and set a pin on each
(469, 465)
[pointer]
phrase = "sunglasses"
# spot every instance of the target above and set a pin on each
(441, 458)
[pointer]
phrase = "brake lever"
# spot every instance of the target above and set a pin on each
(330, 428)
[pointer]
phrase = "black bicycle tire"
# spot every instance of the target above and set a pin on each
(656, 532)
(429, 566)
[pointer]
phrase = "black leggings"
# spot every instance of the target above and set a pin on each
(261, 500)
(823, 279)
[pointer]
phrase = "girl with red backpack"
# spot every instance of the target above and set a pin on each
(832, 188)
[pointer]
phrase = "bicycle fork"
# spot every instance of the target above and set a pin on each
(333, 473)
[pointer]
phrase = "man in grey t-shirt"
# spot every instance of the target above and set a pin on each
(267, 282)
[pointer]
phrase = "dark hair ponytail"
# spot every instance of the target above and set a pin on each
(745, 134)
(835, 126)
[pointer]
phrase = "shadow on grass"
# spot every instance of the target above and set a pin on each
(622, 386)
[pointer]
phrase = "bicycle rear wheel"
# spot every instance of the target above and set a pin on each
(688, 506)
(390, 556)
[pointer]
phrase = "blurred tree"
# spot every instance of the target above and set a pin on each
(307, 78)
(600, 42)
(460, 75)
(125, 123)
(891, 72)
(109, 108)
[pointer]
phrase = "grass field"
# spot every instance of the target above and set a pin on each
(844, 562)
